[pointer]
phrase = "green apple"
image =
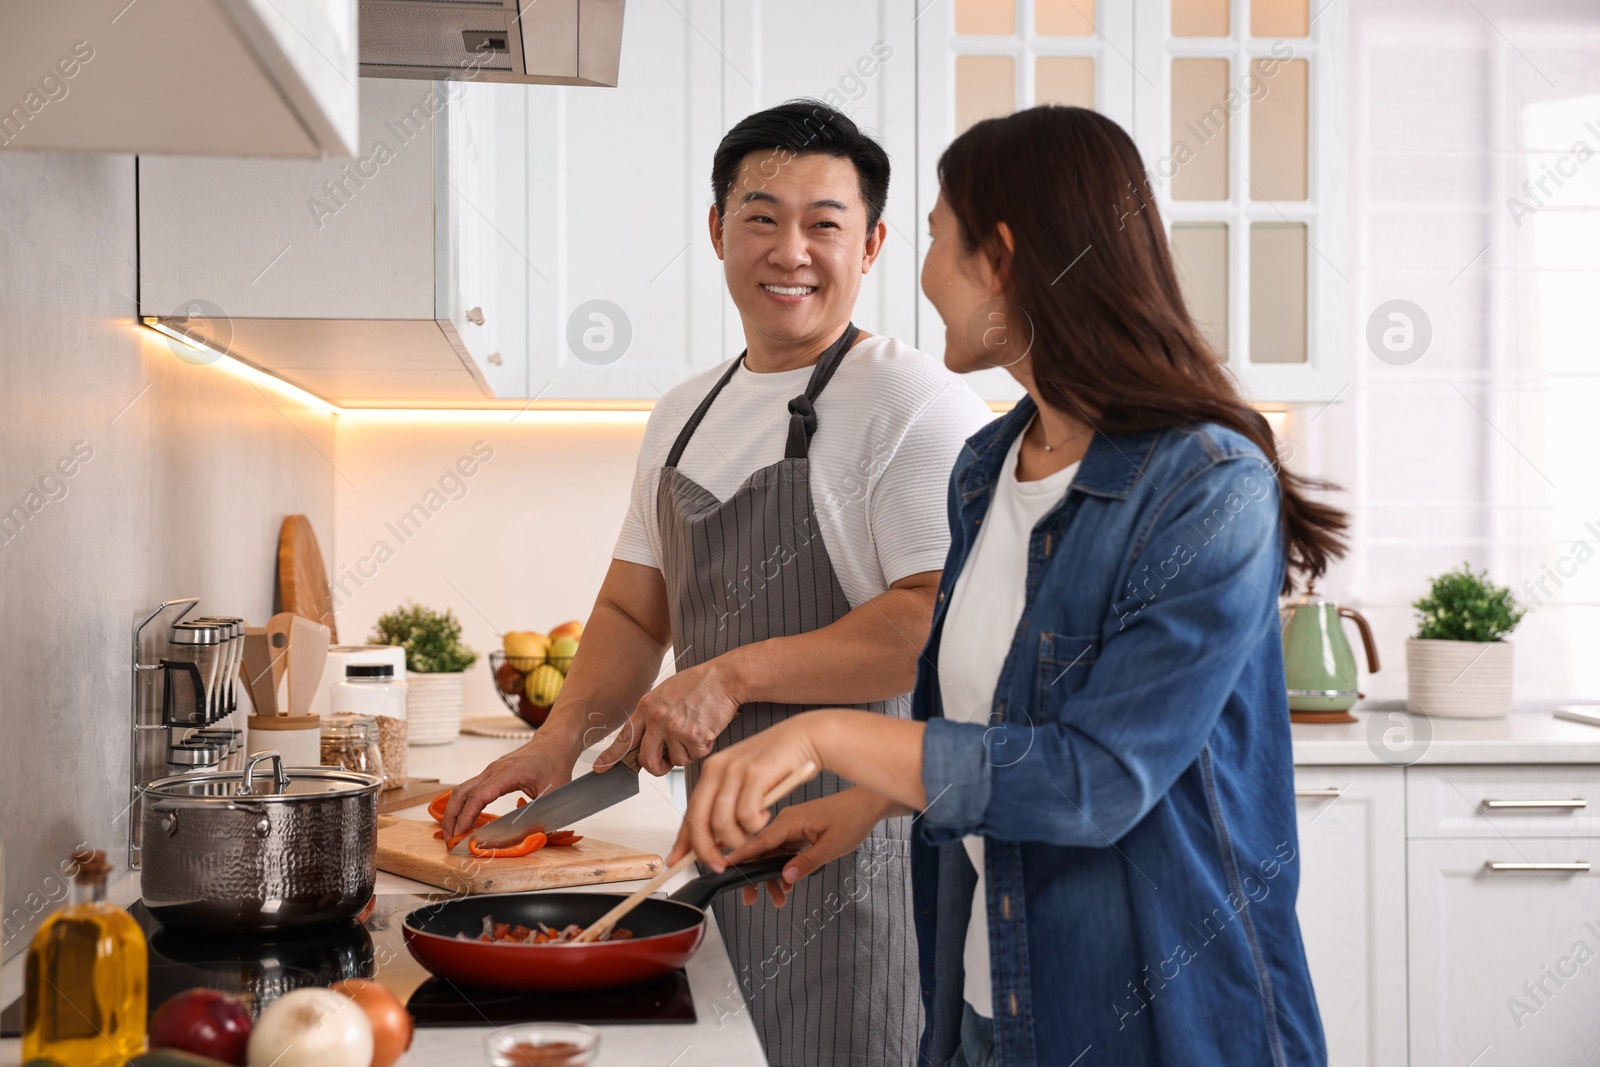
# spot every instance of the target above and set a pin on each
(561, 652)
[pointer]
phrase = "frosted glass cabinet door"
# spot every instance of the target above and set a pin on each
(978, 59)
(1352, 908)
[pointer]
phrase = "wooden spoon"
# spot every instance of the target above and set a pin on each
(602, 926)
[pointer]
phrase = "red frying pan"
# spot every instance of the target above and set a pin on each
(666, 932)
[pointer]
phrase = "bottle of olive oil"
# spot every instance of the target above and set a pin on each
(85, 991)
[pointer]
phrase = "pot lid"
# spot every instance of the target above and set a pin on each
(277, 784)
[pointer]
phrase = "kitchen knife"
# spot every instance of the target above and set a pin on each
(561, 807)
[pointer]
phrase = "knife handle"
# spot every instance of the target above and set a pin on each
(630, 759)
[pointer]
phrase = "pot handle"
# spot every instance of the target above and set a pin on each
(280, 779)
(700, 891)
(1367, 642)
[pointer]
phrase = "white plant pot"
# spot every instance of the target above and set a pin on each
(433, 707)
(1458, 679)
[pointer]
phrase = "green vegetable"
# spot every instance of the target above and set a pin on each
(432, 640)
(169, 1057)
(1463, 606)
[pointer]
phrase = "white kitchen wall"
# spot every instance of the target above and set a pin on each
(1482, 447)
(520, 543)
(127, 477)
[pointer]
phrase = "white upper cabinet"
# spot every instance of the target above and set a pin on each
(626, 295)
(396, 278)
(540, 242)
(266, 78)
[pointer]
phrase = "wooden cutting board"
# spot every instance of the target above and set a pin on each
(302, 581)
(408, 848)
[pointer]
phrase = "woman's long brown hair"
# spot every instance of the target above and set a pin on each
(1112, 340)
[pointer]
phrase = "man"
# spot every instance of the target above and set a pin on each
(785, 537)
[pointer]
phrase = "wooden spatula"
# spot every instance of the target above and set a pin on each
(278, 628)
(602, 926)
(256, 670)
(308, 658)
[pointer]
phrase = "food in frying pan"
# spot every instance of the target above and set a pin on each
(537, 934)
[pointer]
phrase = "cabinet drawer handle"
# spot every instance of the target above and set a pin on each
(1331, 794)
(1501, 805)
(475, 316)
(1578, 865)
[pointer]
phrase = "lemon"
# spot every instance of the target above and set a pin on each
(543, 685)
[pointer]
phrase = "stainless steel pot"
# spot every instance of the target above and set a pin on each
(224, 850)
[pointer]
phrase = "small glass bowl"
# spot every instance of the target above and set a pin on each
(543, 1045)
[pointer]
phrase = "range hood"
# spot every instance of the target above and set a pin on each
(532, 42)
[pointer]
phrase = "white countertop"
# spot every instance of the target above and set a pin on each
(1384, 728)
(723, 1034)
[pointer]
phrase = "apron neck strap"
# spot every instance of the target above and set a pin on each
(700, 413)
(802, 413)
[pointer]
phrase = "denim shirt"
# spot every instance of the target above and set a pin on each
(1134, 781)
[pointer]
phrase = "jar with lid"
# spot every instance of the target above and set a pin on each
(372, 689)
(351, 742)
(193, 673)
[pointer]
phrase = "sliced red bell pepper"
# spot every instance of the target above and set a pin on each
(530, 844)
(437, 805)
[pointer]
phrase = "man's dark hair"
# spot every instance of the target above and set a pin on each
(797, 128)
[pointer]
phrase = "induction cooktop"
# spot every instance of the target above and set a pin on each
(264, 967)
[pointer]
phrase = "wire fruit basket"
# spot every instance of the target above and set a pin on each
(511, 682)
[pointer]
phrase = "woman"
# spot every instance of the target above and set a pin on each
(1101, 731)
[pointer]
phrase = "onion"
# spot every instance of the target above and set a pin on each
(207, 1022)
(311, 1028)
(391, 1023)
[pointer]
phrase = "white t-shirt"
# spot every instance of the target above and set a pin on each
(889, 427)
(979, 627)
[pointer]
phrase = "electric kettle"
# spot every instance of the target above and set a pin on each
(1318, 664)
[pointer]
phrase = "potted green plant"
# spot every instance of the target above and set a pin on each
(435, 664)
(1459, 664)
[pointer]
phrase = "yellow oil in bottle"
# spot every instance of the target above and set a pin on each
(84, 1000)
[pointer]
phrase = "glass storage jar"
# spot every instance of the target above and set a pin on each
(372, 689)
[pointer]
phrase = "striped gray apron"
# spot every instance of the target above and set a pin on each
(831, 977)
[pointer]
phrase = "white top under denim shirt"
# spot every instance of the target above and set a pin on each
(985, 608)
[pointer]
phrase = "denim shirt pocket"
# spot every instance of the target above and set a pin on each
(1064, 662)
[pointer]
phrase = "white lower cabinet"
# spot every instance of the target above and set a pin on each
(1447, 919)
(1352, 908)
(1505, 951)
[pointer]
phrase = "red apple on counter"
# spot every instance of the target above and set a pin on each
(531, 713)
(508, 678)
(207, 1022)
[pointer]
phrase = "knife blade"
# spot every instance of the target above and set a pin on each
(561, 807)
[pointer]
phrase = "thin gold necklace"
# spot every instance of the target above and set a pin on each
(1048, 447)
